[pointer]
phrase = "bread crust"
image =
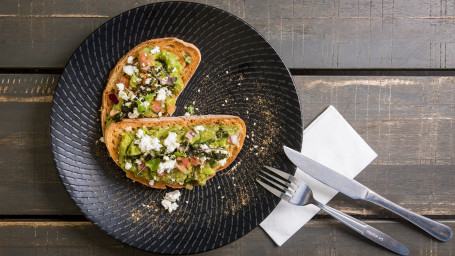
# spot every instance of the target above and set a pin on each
(171, 44)
(114, 132)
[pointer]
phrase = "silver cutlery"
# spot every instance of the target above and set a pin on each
(296, 192)
(356, 190)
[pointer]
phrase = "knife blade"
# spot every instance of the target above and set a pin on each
(326, 175)
(356, 190)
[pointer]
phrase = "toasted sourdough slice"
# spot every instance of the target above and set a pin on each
(173, 45)
(114, 137)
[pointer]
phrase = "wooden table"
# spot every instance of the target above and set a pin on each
(387, 66)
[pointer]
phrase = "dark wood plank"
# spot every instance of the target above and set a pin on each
(307, 34)
(408, 121)
(320, 237)
(29, 184)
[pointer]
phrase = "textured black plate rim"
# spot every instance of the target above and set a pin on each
(67, 186)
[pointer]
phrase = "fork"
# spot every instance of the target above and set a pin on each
(297, 192)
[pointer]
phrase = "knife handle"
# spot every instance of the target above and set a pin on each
(434, 228)
(366, 230)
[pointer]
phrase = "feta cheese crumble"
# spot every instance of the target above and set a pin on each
(123, 95)
(171, 142)
(222, 162)
(120, 86)
(199, 128)
(173, 196)
(129, 129)
(147, 144)
(130, 59)
(140, 133)
(170, 199)
(205, 148)
(128, 165)
(133, 114)
(155, 50)
(129, 70)
(161, 94)
(146, 104)
(166, 166)
(169, 205)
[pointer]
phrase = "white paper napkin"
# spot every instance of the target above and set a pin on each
(331, 141)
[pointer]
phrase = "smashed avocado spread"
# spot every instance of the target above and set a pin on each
(174, 154)
(149, 85)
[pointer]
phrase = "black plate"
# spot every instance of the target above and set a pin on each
(240, 74)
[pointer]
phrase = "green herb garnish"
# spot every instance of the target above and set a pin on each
(190, 109)
(140, 107)
(149, 96)
(153, 164)
(187, 59)
(180, 154)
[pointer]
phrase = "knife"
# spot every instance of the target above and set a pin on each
(356, 190)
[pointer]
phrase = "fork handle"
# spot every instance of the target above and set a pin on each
(366, 230)
(434, 228)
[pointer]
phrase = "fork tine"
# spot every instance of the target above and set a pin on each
(285, 176)
(287, 183)
(279, 185)
(278, 172)
(274, 191)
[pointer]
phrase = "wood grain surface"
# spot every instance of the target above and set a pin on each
(316, 238)
(408, 121)
(307, 34)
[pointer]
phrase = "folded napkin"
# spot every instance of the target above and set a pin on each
(331, 141)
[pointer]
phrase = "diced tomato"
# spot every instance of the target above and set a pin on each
(143, 61)
(185, 162)
(146, 61)
(195, 160)
(182, 168)
(150, 60)
(157, 106)
(125, 81)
